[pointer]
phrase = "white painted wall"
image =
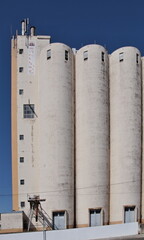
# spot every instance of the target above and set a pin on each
(28, 148)
(118, 230)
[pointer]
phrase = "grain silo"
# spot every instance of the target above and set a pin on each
(125, 140)
(142, 213)
(56, 133)
(92, 136)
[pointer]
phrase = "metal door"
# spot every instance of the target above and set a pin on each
(95, 217)
(129, 214)
(59, 220)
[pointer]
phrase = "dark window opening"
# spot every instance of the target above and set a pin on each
(28, 111)
(137, 58)
(85, 55)
(102, 56)
(20, 69)
(48, 54)
(20, 91)
(21, 137)
(22, 204)
(121, 56)
(22, 182)
(66, 55)
(20, 51)
(21, 159)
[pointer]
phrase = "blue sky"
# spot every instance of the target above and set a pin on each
(111, 23)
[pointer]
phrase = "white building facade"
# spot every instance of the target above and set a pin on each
(43, 126)
(77, 132)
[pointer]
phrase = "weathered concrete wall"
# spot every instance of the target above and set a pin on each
(125, 133)
(11, 222)
(48, 145)
(56, 130)
(27, 80)
(142, 195)
(92, 133)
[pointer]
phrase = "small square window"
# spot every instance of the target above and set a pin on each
(137, 58)
(21, 159)
(66, 55)
(21, 91)
(22, 204)
(20, 51)
(121, 56)
(48, 54)
(21, 137)
(85, 55)
(28, 111)
(102, 56)
(20, 69)
(22, 182)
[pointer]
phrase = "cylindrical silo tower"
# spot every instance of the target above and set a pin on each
(56, 133)
(125, 135)
(92, 136)
(142, 220)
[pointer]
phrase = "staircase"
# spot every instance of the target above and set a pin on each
(43, 218)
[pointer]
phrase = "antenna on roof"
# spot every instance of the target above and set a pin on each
(25, 24)
(28, 21)
(23, 27)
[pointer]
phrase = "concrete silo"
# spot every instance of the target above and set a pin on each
(125, 132)
(142, 214)
(92, 136)
(56, 133)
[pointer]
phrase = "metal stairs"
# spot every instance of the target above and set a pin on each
(40, 215)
